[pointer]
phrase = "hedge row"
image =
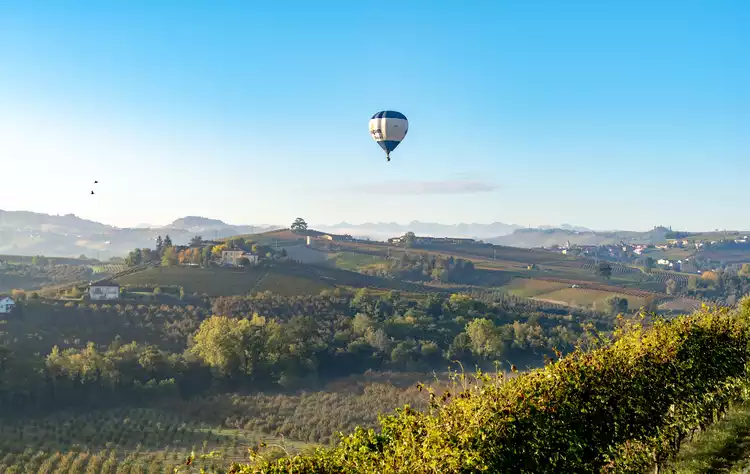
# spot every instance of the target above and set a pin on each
(622, 407)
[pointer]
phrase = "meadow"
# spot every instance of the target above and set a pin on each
(587, 298)
(527, 287)
(353, 261)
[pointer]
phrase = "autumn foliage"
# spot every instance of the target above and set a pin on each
(621, 407)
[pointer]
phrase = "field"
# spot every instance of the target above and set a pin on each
(587, 298)
(111, 441)
(355, 261)
(550, 280)
(156, 439)
(44, 325)
(527, 287)
(109, 269)
(28, 277)
(729, 255)
(681, 305)
(286, 279)
(282, 237)
(225, 282)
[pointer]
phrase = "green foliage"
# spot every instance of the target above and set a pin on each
(426, 267)
(615, 408)
(299, 226)
(604, 270)
(617, 305)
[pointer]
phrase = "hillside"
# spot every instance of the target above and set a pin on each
(282, 278)
(241, 356)
(323, 364)
(529, 238)
(617, 408)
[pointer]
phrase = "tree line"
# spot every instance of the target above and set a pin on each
(198, 252)
(271, 341)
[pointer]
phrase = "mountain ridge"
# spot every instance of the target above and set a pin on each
(32, 233)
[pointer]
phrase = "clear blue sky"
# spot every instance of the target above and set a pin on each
(618, 114)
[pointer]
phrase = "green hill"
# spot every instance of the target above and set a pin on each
(282, 278)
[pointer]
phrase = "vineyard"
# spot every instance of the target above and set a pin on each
(147, 441)
(664, 277)
(108, 269)
(617, 268)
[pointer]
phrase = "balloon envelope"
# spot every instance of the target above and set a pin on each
(388, 128)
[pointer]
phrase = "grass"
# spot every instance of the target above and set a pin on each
(355, 261)
(281, 237)
(595, 299)
(723, 447)
(528, 287)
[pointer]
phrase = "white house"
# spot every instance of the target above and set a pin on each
(6, 304)
(104, 291)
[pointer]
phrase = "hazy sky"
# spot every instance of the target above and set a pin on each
(605, 114)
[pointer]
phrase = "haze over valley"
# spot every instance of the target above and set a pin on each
(31, 233)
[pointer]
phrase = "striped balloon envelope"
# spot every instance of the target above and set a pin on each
(388, 128)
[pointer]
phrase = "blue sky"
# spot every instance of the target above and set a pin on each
(620, 114)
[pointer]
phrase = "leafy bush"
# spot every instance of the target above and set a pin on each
(620, 407)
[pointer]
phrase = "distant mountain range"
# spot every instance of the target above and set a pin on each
(31, 233)
(548, 237)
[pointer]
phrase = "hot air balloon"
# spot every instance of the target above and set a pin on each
(388, 128)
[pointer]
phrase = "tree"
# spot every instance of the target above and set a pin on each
(167, 241)
(617, 304)
(196, 241)
(206, 256)
(484, 339)
(159, 245)
(134, 258)
(18, 295)
(299, 226)
(671, 287)
(649, 264)
(604, 269)
(409, 239)
(169, 259)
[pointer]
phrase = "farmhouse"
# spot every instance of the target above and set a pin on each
(233, 257)
(104, 291)
(6, 304)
